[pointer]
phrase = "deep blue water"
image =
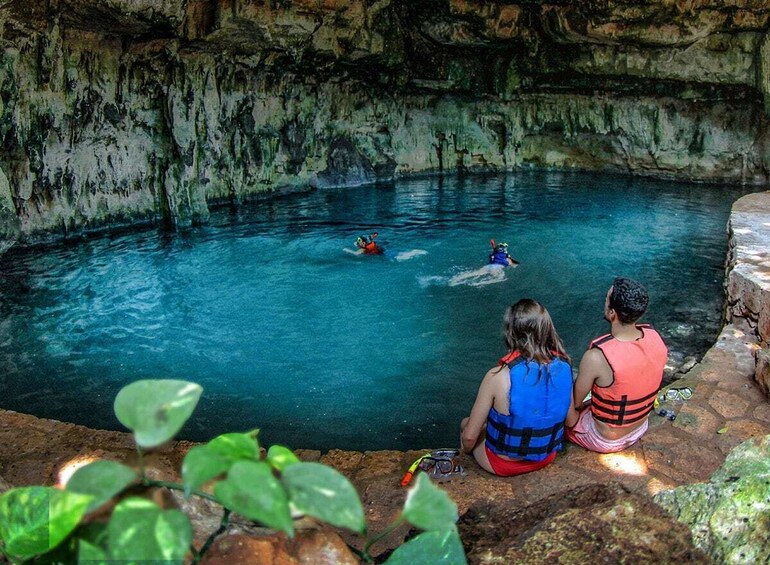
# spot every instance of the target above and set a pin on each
(319, 348)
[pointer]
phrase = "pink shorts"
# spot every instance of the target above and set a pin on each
(508, 468)
(586, 435)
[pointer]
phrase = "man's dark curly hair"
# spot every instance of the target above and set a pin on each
(629, 299)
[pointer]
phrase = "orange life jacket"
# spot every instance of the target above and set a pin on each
(371, 248)
(637, 369)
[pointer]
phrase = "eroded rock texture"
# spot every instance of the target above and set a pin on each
(118, 111)
(730, 515)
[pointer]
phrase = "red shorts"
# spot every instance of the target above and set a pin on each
(507, 468)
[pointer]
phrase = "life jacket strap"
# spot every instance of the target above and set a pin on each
(624, 399)
(498, 441)
(623, 415)
(625, 420)
(514, 358)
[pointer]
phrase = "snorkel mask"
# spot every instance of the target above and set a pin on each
(502, 247)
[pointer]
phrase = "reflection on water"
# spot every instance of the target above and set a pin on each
(317, 347)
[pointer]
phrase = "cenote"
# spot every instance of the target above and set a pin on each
(320, 348)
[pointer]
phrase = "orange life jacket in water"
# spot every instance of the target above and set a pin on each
(372, 248)
(637, 370)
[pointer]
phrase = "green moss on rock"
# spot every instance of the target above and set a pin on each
(730, 515)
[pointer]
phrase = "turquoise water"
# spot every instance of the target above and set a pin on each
(319, 348)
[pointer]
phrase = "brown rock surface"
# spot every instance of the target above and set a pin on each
(316, 547)
(597, 523)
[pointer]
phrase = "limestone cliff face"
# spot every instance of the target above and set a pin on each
(120, 111)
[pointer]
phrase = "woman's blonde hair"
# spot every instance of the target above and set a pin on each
(530, 331)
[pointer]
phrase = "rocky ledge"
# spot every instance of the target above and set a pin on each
(708, 468)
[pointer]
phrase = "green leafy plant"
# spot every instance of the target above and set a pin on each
(49, 525)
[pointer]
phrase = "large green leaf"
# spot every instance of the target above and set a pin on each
(102, 480)
(428, 507)
(235, 447)
(34, 520)
(139, 530)
(200, 465)
(430, 548)
(91, 553)
(92, 541)
(204, 462)
(155, 410)
(251, 490)
(324, 493)
(280, 457)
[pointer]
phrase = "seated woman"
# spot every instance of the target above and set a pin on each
(524, 400)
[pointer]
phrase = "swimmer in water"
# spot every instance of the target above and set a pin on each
(366, 245)
(500, 256)
(491, 273)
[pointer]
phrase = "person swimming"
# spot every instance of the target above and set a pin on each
(500, 256)
(367, 245)
(493, 272)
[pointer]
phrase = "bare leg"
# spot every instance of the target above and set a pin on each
(480, 454)
(463, 423)
(479, 451)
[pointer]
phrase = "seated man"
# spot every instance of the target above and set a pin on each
(623, 370)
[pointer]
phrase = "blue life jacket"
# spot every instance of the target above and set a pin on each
(539, 401)
(499, 258)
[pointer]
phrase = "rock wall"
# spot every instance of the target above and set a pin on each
(748, 276)
(131, 111)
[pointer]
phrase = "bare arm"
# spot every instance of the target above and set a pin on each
(592, 366)
(480, 410)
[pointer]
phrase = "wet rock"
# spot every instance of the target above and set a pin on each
(730, 515)
(688, 364)
(600, 523)
(346, 165)
(10, 226)
(10, 231)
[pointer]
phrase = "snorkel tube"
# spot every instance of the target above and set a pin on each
(412, 468)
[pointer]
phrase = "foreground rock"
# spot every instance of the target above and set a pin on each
(317, 546)
(729, 515)
(591, 524)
